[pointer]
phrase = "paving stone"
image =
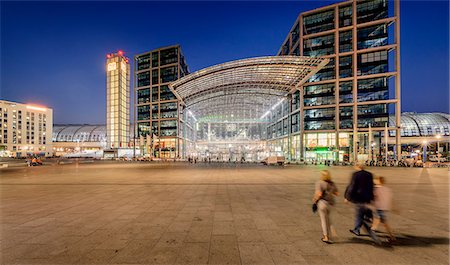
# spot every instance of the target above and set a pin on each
(254, 253)
(223, 228)
(194, 253)
(285, 254)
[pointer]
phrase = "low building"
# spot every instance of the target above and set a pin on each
(419, 129)
(85, 140)
(25, 129)
(79, 140)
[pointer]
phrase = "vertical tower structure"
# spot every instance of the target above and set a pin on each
(117, 100)
(344, 108)
(162, 128)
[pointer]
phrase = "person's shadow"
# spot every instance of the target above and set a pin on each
(402, 240)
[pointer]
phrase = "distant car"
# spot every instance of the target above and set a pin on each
(434, 158)
(273, 160)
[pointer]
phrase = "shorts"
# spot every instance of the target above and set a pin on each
(382, 215)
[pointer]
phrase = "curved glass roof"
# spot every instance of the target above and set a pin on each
(244, 89)
(422, 124)
(79, 133)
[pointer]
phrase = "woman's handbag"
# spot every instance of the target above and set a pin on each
(314, 207)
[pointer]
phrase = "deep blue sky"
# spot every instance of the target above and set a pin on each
(53, 53)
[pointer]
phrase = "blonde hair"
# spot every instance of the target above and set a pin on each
(360, 165)
(325, 175)
(379, 180)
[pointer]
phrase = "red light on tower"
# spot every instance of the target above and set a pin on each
(120, 52)
(108, 56)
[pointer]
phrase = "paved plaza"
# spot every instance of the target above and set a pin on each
(155, 213)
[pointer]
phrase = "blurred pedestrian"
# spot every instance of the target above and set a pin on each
(383, 203)
(360, 193)
(324, 198)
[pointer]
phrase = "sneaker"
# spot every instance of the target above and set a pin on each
(355, 232)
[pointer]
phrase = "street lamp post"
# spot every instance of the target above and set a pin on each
(437, 149)
(372, 148)
(424, 156)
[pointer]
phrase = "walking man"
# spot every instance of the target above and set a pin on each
(360, 193)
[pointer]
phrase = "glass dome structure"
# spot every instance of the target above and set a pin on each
(79, 133)
(422, 124)
(244, 89)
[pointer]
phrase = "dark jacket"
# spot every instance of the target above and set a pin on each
(360, 189)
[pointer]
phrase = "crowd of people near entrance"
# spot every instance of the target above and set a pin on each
(372, 201)
(194, 160)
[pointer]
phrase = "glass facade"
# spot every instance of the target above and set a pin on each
(118, 99)
(158, 111)
(319, 46)
(319, 22)
(339, 94)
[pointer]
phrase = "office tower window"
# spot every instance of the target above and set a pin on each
(295, 100)
(155, 77)
(169, 110)
(319, 119)
(166, 93)
(345, 16)
(155, 58)
(373, 89)
(346, 92)
(144, 128)
(143, 79)
(375, 115)
(318, 22)
(345, 41)
(285, 48)
(318, 95)
(345, 66)
(143, 95)
(155, 111)
(346, 117)
(372, 63)
(319, 46)
(295, 123)
(168, 128)
(143, 112)
(371, 10)
(169, 74)
(155, 94)
(143, 62)
(169, 56)
(327, 73)
(155, 128)
(373, 36)
(295, 33)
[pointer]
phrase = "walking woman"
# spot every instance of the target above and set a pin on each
(324, 197)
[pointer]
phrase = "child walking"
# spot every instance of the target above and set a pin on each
(383, 203)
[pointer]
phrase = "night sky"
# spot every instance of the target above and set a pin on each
(53, 53)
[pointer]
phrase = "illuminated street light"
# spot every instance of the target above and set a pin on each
(424, 146)
(437, 149)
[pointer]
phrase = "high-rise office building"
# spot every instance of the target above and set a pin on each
(161, 128)
(342, 112)
(25, 129)
(117, 100)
